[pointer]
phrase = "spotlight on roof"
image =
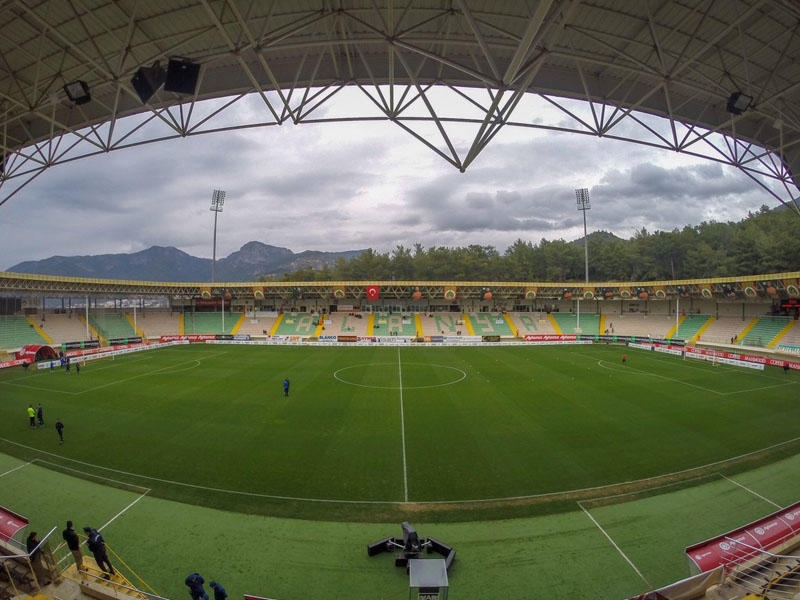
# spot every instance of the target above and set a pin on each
(739, 102)
(147, 80)
(78, 92)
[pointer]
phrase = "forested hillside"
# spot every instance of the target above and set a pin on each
(765, 242)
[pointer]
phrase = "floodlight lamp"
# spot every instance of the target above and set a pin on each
(217, 200)
(582, 196)
(739, 102)
(78, 92)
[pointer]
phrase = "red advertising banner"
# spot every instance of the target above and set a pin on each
(550, 338)
(10, 363)
(10, 523)
(195, 337)
(747, 541)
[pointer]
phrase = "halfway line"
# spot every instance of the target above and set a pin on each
(402, 426)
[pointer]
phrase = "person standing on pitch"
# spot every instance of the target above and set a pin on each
(195, 581)
(32, 416)
(219, 591)
(286, 387)
(40, 414)
(60, 430)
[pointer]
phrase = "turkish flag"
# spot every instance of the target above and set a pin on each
(373, 292)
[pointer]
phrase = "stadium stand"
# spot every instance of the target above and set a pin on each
(258, 324)
(62, 327)
(197, 322)
(111, 325)
(725, 330)
(655, 326)
(394, 324)
(533, 323)
(689, 327)
(352, 323)
(445, 324)
(156, 323)
(16, 331)
(490, 324)
(764, 331)
(303, 324)
(792, 337)
(568, 322)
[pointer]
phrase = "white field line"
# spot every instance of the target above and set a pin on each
(616, 547)
(402, 426)
(17, 468)
(122, 512)
(748, 490)
(617, 369)
(192, 364)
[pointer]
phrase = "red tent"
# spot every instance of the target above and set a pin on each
(33, 352)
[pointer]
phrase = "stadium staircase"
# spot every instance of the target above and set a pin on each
(92, 331)
(418, 325)
(554, 324)
(238, 324)
(276, 325)
(783, 333)
(134, 326)
(39, 330)
(468, 324)
(320, 326)
(371, 324)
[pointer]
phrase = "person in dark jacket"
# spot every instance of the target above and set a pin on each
(97, 546)
(195, 582)
(219, 591)
(74, 544)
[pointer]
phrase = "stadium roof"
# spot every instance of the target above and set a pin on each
(725, 76)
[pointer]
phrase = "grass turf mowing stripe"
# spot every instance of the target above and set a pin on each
(476, 423)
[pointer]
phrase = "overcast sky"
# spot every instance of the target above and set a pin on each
(337, 186)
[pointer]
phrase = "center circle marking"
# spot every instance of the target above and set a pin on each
(459, 375)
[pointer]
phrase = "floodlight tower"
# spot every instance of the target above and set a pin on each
(582, 195)
(217, 200)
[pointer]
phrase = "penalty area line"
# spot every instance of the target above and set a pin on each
(616, 547)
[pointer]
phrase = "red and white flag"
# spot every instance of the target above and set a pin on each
(373, 292)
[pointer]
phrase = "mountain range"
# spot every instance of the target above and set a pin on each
(159, 263)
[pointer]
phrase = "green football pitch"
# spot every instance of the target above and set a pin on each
(380, 433)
